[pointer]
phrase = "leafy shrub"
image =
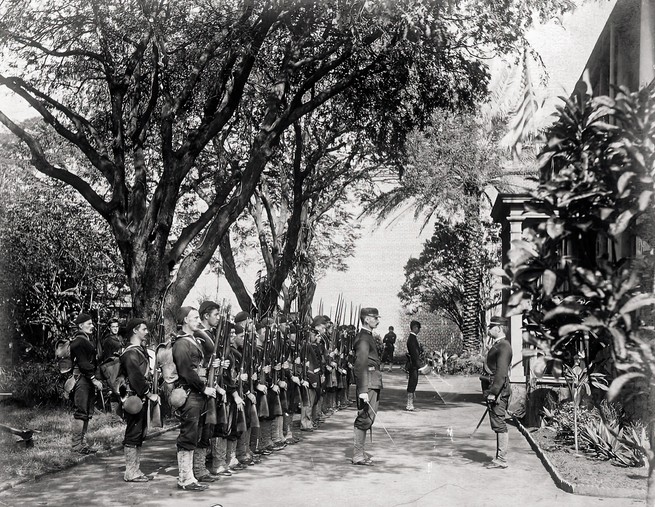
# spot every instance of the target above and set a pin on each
(33, 384)
(452, 364)
(605, 436)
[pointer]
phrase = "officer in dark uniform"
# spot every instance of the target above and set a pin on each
(83, 355)
(188, 356)
(413, 362)
(368, 379)
(135, 366)
(496, 389)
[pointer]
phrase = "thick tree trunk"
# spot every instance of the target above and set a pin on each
(472, 283)
(232, 276)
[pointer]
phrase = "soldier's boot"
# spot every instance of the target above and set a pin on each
(185, 479)
(200, 466)
(85, 428)
(502, 444)
(242, 450)
(78, 443)
(219, 461)
(255, 435)
(133, 471)
(359, 443)
(410, 402)
(230, 455)
(264, 444)
(276, 433)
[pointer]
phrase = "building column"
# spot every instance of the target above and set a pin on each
(517, 373)
(646, 43)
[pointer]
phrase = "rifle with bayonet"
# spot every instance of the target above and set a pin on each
(154, 408)
(213, 416)
(241, 413)
(249, 360)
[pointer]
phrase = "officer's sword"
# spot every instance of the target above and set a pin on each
(486, 411)
(381, 424)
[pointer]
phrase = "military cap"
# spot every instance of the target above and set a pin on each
(320, 320)
(238, 329)
(368, 312)
(207, 306)
(497, 320)
(82, 318)
(262, 323)
(241, 316)
(132, 324)
(182, 313)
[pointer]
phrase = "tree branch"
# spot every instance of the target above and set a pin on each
(41, 163)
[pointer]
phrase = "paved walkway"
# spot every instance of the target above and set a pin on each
(432, 462)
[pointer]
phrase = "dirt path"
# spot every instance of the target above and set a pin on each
(431, 463)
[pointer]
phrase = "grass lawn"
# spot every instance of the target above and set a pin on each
(51, 449)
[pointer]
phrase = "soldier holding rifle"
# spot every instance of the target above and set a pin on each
(188, 355)
(135, 367)
(244, 347)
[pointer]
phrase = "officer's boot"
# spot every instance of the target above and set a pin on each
(359, 443)
(219, 464)
(133, 471)
(502, 443)
(185, 478)
(200, 466)
(410, 402)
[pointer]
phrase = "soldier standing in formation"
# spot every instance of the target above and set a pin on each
(188, 356)
(135, 367)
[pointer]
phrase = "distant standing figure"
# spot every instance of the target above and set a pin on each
(414, 363)
(389, 343)
(496, 390)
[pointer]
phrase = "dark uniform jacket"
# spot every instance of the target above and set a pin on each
(188, 357)
(497, 364)
(135, 365)
(83, 354)
(367, 362)
(413, 351)
(111, 346)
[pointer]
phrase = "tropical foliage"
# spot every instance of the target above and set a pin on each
(573, 276)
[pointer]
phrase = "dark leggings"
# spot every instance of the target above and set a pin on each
(413, 380)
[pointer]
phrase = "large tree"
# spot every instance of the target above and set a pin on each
(141, 89)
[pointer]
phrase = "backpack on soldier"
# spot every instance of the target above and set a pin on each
(111, 373)
(63, 355)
